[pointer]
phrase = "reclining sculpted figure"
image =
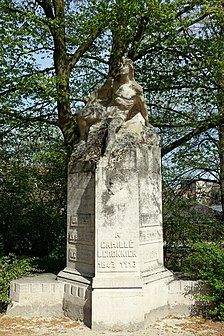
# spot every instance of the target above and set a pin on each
(119, 100)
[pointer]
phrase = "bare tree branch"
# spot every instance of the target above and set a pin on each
(205, 126)
(29, 118)
(73, 59)
(144, 52)
(96, 58)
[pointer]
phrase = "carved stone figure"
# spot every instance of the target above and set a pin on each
(115, 271)
(95, 109)
(118, 100)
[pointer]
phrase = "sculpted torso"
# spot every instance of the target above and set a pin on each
(120, 98)
(124, 97)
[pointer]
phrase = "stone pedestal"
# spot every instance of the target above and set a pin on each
(115, 274)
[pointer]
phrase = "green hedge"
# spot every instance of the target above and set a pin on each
(13, 267)
(207, 262)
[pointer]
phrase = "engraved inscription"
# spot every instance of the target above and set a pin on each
(72, 255)
(125, 265)
(151, 260)
(86, 256)
(78, 235)
(114, 244)
(80, 220)
(148, 219)
(106, 264)
(150, 235)
(128, 264)
(72, 236)
(74, 221)
(80, 253)
(117, 255)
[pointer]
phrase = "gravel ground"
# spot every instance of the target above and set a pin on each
(168, 326)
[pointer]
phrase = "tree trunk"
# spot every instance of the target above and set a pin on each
(55, 13)
(221, 172)
(62, 69)
(220, 100)
(66, 121)
(119, 35)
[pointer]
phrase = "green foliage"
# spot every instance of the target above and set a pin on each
(30, 226)
(207, 262)
(56, 260)
(33, 204)
(185, 222)
(32, 212)
(13, 267)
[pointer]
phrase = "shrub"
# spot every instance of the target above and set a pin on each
(12, 267)
(207, 263)
(55, 261)
(35, 222)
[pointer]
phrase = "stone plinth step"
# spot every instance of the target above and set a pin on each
(38, 295)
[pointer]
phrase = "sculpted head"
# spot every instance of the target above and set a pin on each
(125, 67)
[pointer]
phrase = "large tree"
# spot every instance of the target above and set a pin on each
(80, 43)
(188, 104)
(56, 51)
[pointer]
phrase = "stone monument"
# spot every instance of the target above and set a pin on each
(115, 274)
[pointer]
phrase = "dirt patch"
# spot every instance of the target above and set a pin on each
(204, 327)
(168, 326)
(35, 326)
(179, 325)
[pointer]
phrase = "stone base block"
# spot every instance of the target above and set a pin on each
(77, 296)
(156, 290)
(104, 304)
(183, 295)
(99, 307)
(39, 295)
(117, 308)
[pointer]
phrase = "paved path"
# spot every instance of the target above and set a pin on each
(168, 326)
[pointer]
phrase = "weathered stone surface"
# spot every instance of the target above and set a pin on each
(115, 230)
(118, 100)
(39, 295)
(115, 245)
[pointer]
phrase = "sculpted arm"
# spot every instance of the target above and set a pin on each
(144, 110)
